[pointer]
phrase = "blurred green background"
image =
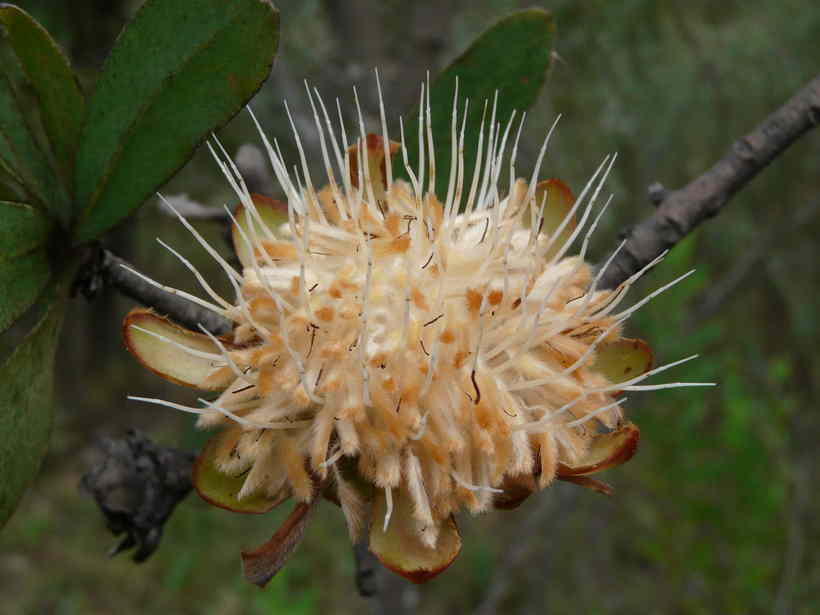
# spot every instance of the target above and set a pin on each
(716, 514)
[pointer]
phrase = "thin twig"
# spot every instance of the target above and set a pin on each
(177, 308)
(684, 209)
(722, 290)
(366, 569)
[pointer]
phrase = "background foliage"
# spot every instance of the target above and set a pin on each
(715, 514)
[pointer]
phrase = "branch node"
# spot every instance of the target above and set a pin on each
(657, 193)
(105, 268)
(679, 211)
(625, 232)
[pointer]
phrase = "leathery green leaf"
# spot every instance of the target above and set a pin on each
(23, 228)
(511, 58)
(26, 400)
(24, 266)
(49, 73)
(10, 186)
(21, 155)
(178, 71)
(22, 281)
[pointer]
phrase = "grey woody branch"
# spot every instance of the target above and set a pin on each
(251, 163)
(116, 271)
(681, 210)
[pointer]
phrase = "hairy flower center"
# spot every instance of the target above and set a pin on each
(448, 350)
(427, 344)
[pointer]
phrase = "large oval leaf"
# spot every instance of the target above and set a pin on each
(52, 80)
(22, 281)
(26, 408)
(512, 58)
(23, 228)
(22, 157)
(10, 184)
(178, 71)
(24, 265)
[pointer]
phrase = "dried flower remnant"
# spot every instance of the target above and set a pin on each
(406, 357)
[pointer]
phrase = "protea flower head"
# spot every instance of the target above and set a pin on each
(407, 355)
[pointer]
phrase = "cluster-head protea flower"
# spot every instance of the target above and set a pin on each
(407, 355)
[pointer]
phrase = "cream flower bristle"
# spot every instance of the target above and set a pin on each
(439, 348)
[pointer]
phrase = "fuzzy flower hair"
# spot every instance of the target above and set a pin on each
(405, 354)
